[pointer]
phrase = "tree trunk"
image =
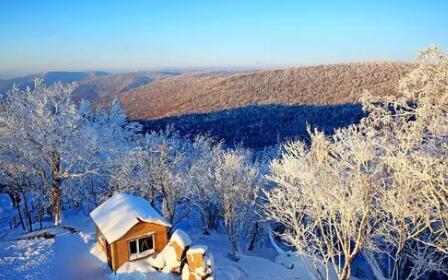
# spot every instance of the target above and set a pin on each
(55, 188)
(233, 240)
(94, 195)
(397, 269)
(152, 197)
(346, 271)
(205, 219)
(20, 217)
(40, 216)
(169, 213)
(253, 237)
(56, 203)
(15, 198)
(402, 266)
(27, 213)
(235, 251)
(213, 217)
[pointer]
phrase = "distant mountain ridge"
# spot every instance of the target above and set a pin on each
(101, 90)
(99, 87)
(49, 78)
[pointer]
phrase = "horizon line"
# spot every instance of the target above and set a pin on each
(124, 70)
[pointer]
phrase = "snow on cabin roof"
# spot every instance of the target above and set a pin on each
(181, 238)
(121, 212)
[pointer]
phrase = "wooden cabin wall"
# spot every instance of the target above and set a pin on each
(120, 248)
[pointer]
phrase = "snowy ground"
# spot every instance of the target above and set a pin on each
(73, 255)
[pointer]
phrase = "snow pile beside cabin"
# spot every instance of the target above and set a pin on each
(200, 264)
(141, 265)
(171, 262)
(170, 259)
(181, 238)
(121, 212)
(140, 269)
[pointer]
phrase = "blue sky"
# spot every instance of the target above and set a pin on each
(133, 35)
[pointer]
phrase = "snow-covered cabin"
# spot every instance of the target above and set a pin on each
(129, 228)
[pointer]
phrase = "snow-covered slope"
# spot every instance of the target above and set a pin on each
(73, 255)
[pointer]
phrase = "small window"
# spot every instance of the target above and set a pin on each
(141, 247)
(146, 244)
(133, 247)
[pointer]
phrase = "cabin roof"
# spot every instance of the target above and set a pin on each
(121, 212)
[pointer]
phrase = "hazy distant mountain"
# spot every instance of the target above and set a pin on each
(259, 108)
(100, 90)
(97, 87)
(49, 78)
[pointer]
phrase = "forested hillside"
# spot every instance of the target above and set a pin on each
(317, 85)
(102, 90)
(264, 107)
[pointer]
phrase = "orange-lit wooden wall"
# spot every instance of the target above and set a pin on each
(119, 250)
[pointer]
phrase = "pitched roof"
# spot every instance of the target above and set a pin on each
(121, 212)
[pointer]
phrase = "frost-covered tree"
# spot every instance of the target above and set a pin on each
(22, 183)
(7, 187)
(237, 185)
(379, 187)
(413, 153)
(325, 198)
(43, 127)
(43, 121)
(112, 140)
(202, 180)
(155, 167)
(10, 179)
(167, 165)
(132, 174)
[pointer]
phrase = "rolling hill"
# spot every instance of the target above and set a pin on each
(263, 107)
(317, 85)
(101, 90)
(98, 87)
